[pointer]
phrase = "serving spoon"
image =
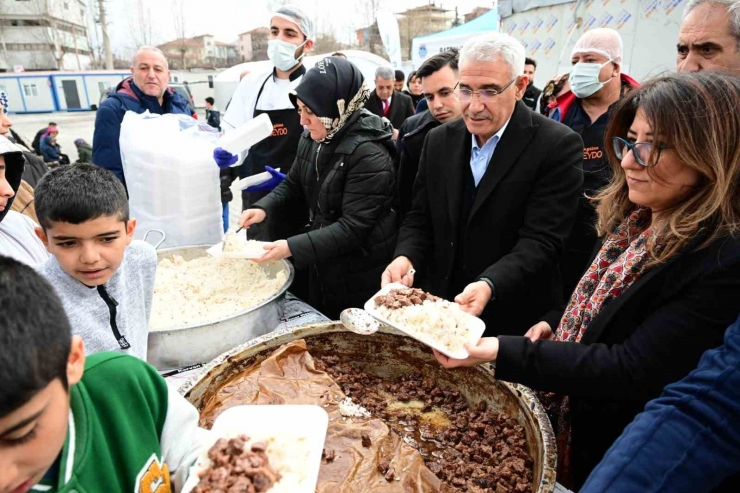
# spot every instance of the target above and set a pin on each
(359, 321)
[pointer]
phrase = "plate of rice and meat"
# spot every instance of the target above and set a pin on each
(262, 448)
(438, 323)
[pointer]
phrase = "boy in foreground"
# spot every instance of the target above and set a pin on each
(105, 281)
(67, 424)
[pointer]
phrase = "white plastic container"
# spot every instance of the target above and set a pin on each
(263, 422)
(476, 326)
(245, 136)
(250, 181)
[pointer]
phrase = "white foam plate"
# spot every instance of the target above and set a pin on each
(261, 422)
(217, 250)
(476, 326)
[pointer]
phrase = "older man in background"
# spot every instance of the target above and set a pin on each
(389, 103)
(147, 89)
(494, 198)
(709, 38)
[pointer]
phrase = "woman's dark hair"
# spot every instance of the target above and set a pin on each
(449, 58)
(410, 78)
(35, 339)
(78, 193)
(695, 117)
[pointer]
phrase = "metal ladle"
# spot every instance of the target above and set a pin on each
(359, 321)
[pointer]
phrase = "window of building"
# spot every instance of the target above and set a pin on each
(30, 90)
(175, 78)
(66, 5)
(210, 82)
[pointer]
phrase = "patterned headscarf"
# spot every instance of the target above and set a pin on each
(4, 102)
(333, 90)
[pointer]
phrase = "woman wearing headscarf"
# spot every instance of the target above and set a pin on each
(662, 285)
(344, 176)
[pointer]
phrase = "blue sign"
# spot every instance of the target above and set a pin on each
(423, 51)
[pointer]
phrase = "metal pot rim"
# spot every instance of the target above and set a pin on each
(280, 292)
(528, 397)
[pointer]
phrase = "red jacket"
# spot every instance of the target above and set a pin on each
(565, 101)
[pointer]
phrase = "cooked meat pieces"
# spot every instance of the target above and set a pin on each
(235, 469)
(328, 455)
(366, 440)
(398, 298)
(476, 449)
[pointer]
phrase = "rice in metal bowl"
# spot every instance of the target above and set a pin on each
(206, 289)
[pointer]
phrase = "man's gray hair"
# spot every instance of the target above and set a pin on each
(494, 46)
(150, 48)
(385, 73)
(733, 12)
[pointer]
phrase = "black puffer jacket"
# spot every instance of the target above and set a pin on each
(348, 187)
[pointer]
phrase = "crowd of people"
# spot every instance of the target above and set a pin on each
(593, 225)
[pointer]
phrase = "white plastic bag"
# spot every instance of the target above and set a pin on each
(173, 182)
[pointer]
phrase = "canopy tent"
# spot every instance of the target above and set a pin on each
(426, 46)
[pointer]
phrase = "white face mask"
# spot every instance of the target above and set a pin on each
(584, 79)
(282, 54)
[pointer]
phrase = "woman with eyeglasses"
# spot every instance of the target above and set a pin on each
(663, 284)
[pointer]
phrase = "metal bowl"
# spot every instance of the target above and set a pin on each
(390, 354)
(199, 343)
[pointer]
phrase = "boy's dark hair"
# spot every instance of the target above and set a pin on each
(400, 76)
(77, 193)
(35, 338)
(210, 100)
(530, 61)
(52, 124)
(449, 58)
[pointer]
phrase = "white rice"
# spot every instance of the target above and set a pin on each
(206, 289)
(438, 322)
(289, 455)
(234, 243)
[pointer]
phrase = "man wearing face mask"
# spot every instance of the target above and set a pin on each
(291, 38)
(596, 84)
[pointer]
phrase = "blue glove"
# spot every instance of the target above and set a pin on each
(224, 159)
(270, 184)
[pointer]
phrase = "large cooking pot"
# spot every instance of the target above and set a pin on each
(389, 354)
(201, 342)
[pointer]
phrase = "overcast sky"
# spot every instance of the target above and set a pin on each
(226, 19)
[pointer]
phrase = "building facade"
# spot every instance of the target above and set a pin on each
(44, 35)
(198, 52)
(253, 45)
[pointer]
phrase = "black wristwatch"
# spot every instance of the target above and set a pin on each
(490, 285)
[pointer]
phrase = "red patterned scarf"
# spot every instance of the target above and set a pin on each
(622, 260)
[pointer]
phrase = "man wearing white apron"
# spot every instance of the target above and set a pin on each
(291, 37)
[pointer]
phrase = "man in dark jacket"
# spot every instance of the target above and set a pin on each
(532, 94)
(386, 102)
(687, 440)
(213, 116)
(439, 76)
(494, 198)
(147, 89)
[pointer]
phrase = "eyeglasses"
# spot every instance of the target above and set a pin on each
(640, 150)
(485, 95)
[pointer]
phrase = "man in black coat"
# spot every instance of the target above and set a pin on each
(387, 102)
(532, 94)
(439, 76)
(495, 197)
